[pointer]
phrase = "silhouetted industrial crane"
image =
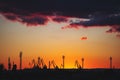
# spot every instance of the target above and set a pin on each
(61, 66)
(9, 64)
(39, 62)
(110, 62)
(77, 64)
(20, 55)
(63, 57)
(14, 67)
(32, 64)
(54, 65)
(49, 64)
(82, 63)
(44, 66)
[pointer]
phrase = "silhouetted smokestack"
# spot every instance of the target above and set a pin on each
(9, 64)
(110, 62)
(82, 63)
(63, 57)
(20, 60)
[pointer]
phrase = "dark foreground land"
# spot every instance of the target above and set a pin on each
(61, 74)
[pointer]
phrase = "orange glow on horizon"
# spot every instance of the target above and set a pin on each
(50, 42)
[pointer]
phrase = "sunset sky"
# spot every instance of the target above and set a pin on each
(52, 28)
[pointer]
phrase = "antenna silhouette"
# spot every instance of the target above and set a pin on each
(20, 55)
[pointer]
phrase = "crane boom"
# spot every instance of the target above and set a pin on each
(54, 65)
(77, 64)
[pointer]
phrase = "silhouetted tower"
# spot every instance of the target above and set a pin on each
(110, 62)
(20, 60)
(9, 64)
(63, 57)
(82, 63)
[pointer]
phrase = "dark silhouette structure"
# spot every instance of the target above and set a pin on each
(14, 68)
(39, 71)
(77, 64)
(110, 62)
(39, 63)
(49, 64)
(63, 57)
(82, 63)
(54, 64)
(33, 63)
(1, 67)
(9, 64)
(20, 55)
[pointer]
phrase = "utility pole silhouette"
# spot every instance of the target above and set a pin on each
(82, 63)
(63, 57)
(20, 55)
(110, 62)
(9, 64)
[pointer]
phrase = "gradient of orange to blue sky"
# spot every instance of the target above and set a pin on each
(51, 42)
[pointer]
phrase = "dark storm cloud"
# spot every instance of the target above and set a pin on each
(100, 20)
(60, 19)
(112, 20)
(100, 12)
(31, 20)
(114, 29)
(75, 8)
(11, 17)
(34, 20)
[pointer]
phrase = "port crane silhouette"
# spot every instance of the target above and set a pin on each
(40, 64)
(54, 64)
(77, 64)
